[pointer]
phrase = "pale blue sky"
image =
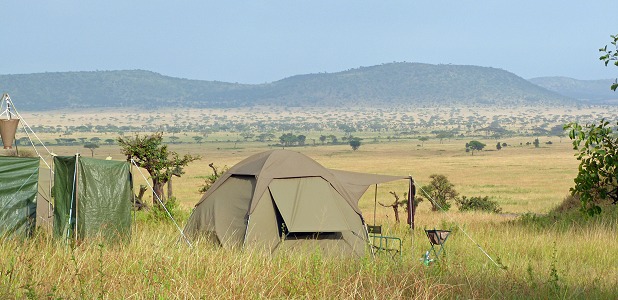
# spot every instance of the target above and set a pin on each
(264, 41)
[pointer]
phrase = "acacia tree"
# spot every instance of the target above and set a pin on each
(474, 145)
(150, 153)
(355, 143)
(597, 151)
(91, 147)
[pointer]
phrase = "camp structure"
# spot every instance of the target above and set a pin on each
(92, 198)
(18, 195)
(281, 199)
(8, 122)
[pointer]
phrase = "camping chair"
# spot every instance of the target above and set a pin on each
(384, 243)
(436, 237)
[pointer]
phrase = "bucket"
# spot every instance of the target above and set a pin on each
(8, 127)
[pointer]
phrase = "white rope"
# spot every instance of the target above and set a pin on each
(460, 228)
(161, 202)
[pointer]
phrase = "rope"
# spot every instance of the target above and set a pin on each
(161, 202)
(460, 228)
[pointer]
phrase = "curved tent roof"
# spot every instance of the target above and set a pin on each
(278, 164)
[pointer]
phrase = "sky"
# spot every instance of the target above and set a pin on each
(264, 41)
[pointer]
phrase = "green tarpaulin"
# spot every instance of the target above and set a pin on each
(18, 191)
(96, 194)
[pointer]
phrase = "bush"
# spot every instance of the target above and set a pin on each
(438, 192)
(478, 203)
(158, 212)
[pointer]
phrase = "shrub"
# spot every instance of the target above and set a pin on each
(158, 213)
(438, 192)
(478, 203)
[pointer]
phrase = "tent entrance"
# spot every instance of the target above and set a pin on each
(307, 207)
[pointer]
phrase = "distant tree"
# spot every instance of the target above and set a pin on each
(95, 140)
(474, 146)
(355, 143)
(198, 139)
(439, 192)
(536, 143)
(109, 141)
(288, 139)
(265, 137)
(444, 135)
(322, 139)
(82, 140)
(91, 146)
(423, 139)
(247, 135)
(611, 56)
(498, 146)
(150, 153)
(174, 139)
(24, 141)
(301, 139)
(347, 129)
(558, 131)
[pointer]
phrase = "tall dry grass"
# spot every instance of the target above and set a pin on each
(572, 261)
(550, 264)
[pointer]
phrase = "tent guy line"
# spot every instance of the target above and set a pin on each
(462, 230)
(162, 204)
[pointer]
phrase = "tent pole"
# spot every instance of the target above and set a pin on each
(411, 210)
(244, 242)
(68, 236)
(51, 183)
(133, 192)
(76, 193)
(375, 204)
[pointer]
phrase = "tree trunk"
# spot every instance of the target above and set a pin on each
(157, 188)
(396, 210)
(169, 188)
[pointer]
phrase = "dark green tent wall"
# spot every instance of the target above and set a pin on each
(98, 198)
(18, 190)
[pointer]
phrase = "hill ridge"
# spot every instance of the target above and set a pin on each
(389, 84)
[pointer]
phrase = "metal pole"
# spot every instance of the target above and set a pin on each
(76, 193)
(375, 204)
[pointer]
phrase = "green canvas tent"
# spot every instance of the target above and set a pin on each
(284, 199)
(92, 197)
(18, 192)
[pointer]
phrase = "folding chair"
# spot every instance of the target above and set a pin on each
(384, 243)
(436, 237)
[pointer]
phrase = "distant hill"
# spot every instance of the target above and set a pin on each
(593, 91)
(383, 85)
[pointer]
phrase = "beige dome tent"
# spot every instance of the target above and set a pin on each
(283, 199)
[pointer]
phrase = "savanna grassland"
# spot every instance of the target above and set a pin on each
(555, 259)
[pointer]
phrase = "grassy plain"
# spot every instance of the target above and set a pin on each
(565, 261)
